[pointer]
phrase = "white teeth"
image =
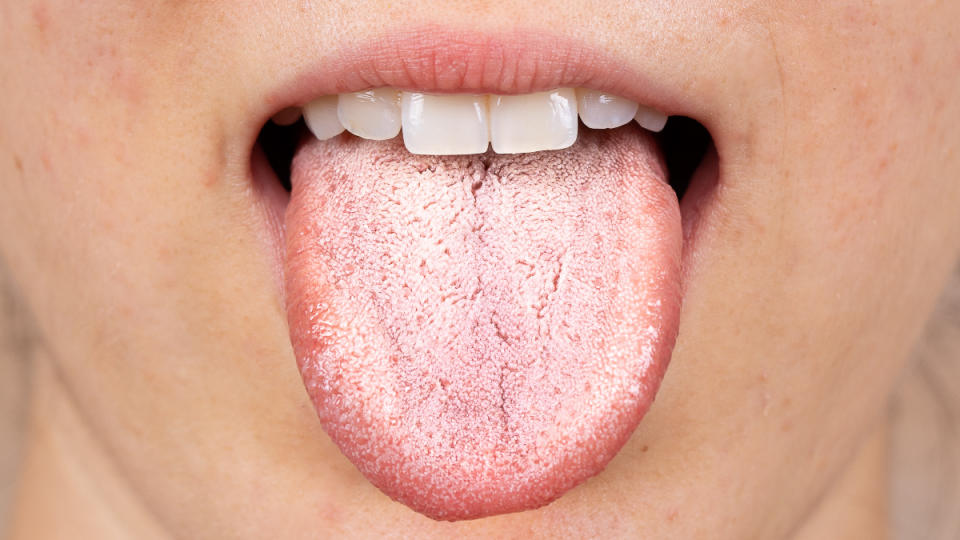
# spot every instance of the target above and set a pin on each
(468, 124)
(374, 114)
(321, 117)
(604, 111)
(449, 124)
(286, 117)
(533, 122)
(650, 118)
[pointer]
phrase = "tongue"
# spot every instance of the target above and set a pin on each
(479, 334)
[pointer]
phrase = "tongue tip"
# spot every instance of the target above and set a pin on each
(452, 494)
(480, 483)
(464, 503)
(468, 500)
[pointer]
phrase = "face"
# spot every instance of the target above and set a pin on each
(153, 245)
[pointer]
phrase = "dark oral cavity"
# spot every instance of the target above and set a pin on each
(479, 334)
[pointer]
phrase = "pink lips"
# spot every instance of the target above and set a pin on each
(437, 60)
(479, 334)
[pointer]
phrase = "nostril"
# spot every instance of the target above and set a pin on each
(684, 143)
(279, 144)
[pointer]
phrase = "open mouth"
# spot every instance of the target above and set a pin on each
(482, 260)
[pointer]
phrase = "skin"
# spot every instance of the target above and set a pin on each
(167, 402)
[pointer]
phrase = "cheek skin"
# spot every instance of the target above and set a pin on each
(833, 250)
(119, 218)
(126, 221)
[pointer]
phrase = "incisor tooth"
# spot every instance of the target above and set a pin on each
(599, 110)
(650, 118)
(533, 122)
(468, 124)
(449, 124)
(321, 117)
(373, 114)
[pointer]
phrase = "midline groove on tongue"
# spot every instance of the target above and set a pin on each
(480, 334)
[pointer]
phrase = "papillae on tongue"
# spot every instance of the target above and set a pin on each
(479, 334)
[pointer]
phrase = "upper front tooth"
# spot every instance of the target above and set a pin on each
(650, 118)
(449, 124)
(599, 110)
(321, 117)
(373, 114)
(467, 124)
(533, 122)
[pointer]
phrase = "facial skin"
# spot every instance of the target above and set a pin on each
(129, 222)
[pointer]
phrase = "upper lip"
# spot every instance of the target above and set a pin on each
(436, 60)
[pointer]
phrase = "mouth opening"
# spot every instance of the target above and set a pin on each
(684, 143)
(464, 484)
(480, 333)
(279, 143)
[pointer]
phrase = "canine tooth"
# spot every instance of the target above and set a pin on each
(650, 118)
(373, 114)
(599, 110)
(449, 124)
(533, 122)
(321, 117)
(286, 117)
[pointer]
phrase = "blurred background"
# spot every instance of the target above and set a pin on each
(925, 419)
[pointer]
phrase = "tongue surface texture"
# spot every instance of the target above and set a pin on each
(479, 334)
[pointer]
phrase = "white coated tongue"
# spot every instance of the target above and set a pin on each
(479, 334)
